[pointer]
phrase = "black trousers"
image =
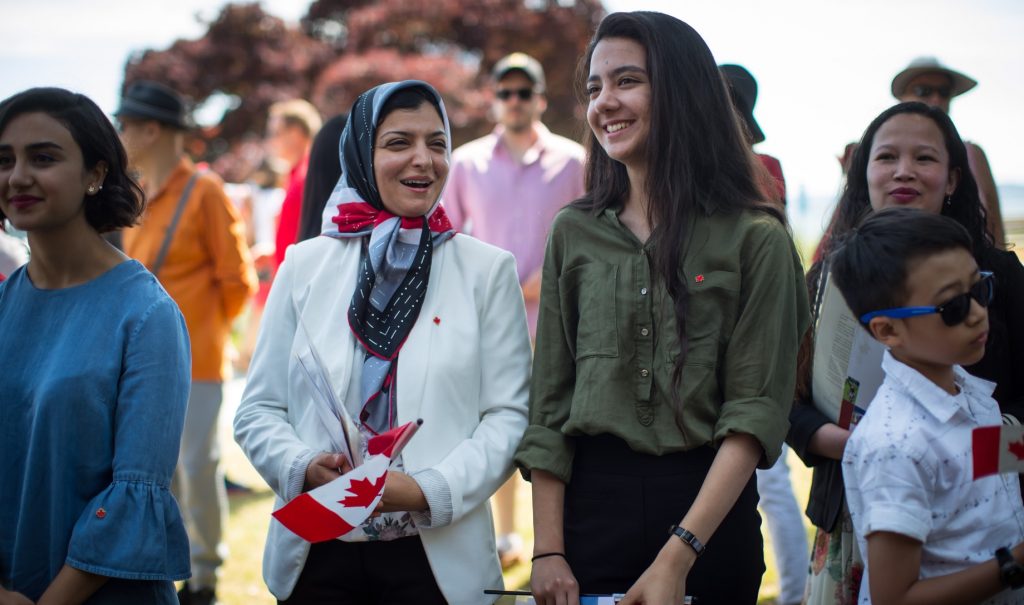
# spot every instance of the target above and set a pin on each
(395, 572)
(620, 504)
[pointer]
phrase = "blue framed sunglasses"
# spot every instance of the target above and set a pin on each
(953, 311)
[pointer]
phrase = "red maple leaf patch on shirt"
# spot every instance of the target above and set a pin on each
(1017, 449)
(363, 492)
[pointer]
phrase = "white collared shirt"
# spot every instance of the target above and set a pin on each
(908, 470)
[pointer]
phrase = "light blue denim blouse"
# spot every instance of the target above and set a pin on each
(94, 381)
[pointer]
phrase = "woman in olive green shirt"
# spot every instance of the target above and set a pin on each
(671, 311)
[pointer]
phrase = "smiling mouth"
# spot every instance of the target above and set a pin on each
(23, 201)
(417, 183)
(616, 127)
(903, 195)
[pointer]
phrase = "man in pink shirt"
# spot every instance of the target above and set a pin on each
(505, 189)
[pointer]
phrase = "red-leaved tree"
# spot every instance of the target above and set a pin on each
(343, 47)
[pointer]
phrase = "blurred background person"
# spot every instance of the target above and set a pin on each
(505, 189)
(258, 200)
(743, 92)
(291, 127)
(193, 240)
(13, 254)
(321, 177)
(95, 372)
(774, 485)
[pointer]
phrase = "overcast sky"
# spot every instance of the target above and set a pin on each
(823, 66)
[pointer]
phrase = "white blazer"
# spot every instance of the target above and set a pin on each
(464, 369)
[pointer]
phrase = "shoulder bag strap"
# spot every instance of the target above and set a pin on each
(162, 255)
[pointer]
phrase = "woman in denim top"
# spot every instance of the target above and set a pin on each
(95, 372)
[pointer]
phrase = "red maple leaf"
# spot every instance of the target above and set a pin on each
(1017, 448)
(363, 492)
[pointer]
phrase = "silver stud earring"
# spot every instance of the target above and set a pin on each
(949, 201)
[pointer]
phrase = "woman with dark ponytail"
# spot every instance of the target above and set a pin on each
(671, 313)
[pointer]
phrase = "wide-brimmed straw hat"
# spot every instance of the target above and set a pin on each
(926, 65)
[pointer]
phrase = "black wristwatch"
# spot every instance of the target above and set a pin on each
(689, 538)
(1011, 573)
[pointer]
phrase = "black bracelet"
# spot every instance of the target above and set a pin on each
(547, 554)
(687, 537)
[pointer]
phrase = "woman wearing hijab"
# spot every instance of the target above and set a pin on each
(410, 320)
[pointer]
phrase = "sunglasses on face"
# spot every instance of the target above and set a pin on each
(524, 94)
(924, 91)
(953, 311)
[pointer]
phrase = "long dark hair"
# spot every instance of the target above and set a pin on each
(964, 205)
(697, 158)
(120, 201)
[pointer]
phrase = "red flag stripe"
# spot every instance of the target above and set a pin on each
(396, 438)
(310, 520)
(985, 441)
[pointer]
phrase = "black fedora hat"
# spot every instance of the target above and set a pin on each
(743, 89)
(145, 100)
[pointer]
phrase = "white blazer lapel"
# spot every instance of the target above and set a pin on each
(412, 361)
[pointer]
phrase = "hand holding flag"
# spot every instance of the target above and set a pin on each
(336, 508)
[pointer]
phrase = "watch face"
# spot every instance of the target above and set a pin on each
(1010, 571)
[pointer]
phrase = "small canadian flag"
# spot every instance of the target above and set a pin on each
(998, 449)
(336, 508)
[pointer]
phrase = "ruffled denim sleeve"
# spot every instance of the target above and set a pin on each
(133, 528)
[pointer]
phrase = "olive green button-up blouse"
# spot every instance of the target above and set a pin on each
(606, 339)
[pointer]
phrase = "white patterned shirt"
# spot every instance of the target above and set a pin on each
(908, 470)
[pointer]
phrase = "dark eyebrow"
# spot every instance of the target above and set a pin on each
(409, 134)
(35, 146)
(952, 286)
(618, 70)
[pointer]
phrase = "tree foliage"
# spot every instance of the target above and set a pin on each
(343, 47)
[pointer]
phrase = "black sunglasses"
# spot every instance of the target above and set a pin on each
(924, 91)
(953, 311)
(524, 94)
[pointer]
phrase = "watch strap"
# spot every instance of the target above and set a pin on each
(1011, 573)
(687, 537)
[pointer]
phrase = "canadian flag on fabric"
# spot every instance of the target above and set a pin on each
(336, 508)
(998, 449)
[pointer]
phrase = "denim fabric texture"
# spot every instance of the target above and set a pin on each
(95, 384)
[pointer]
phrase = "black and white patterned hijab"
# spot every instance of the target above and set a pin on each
(395, 266)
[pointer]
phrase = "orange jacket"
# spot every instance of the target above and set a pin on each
(207, 270)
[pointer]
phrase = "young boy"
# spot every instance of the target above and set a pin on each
(930, 532)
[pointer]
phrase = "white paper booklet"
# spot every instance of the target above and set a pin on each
(847, 365)
(344, 433)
